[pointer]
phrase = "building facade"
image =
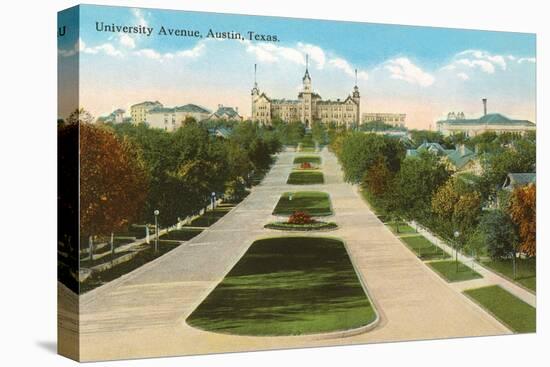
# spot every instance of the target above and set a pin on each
(138, 112)
(170, 119)
(307, 108)
(489, 122)
(395, 119)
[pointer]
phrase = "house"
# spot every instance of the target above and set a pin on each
(220, 132)
(226, 113)
(461, 159)
(514, 180)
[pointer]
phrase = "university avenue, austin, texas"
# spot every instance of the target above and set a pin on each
(339, 185)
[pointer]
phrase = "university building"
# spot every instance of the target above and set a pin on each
(493, 122)
(307, 108)
(394, 119)
(171, 118)
(138, 112)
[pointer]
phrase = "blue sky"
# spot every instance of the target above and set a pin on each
(422, 71)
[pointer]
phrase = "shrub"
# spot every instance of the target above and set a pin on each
(299, 217)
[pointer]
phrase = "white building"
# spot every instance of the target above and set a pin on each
(170, 119)
(394, 119)
(138, 112)
(493, 122)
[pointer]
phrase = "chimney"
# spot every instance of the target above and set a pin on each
(484, 106)
(237, 109)
(220, 105)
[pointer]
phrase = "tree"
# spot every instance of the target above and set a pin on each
(80, 115)
(378, 177)
(415, 183)
(523, 212)
(500, 235)
(420, 136)
(359, 151)
(457, 206)
(113, 181)
(519, 157)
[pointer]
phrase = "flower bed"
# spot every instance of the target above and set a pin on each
(301, 221)
(316, 226)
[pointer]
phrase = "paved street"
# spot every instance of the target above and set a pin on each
(142, 314)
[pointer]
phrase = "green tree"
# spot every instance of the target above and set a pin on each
(416, 182)
(500, 234)
(359, 151)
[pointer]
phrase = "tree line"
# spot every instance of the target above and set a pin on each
(424, 189)
(128, 171)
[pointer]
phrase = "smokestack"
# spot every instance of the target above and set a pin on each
(484, 106)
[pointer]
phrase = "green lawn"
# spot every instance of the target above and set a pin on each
(313, 159)
(516, 314)
(447, 269)
(526, 270)
(305, 177)
(287, 286)
(424, 248)
(210, 217)
(145, 256)
(307, 149)
(400, 228)
(313, 202)
(184, 234)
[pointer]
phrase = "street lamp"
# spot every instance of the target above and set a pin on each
(213, 199)
(456, 234)
(156, 212)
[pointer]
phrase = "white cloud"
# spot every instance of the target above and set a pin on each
(527, 59)
(402, 68)
(106, 48)
(127, 41)
(345, 66)
(153, 54)
(194, 52)
(484, 55)
(270, 53)
(463, 76)
(316, 54)
(140, 17)
(483, 65)
(70, 52)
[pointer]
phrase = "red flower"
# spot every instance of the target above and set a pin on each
(299, 217)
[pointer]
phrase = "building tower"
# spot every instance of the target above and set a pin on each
(306, 97)
(255, 93)
(357, 98)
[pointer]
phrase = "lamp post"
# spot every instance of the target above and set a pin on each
(156, 212)
(456, 234)
(213, 199)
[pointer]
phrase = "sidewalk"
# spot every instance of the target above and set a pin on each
(489, 276)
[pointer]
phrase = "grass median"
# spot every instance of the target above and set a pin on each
(315, 203)
(287, 286)
(305, 177)
(519, 316)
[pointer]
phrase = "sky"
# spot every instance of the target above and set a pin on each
(424, 72)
